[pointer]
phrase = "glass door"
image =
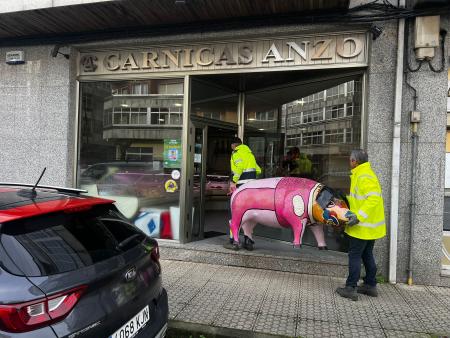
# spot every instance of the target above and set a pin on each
(214, 117)
(211, 177)
(199, 180)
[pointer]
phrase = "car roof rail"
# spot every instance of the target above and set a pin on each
(59, 189)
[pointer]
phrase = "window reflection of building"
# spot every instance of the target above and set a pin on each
(325, 126)
(134, 105)
(135, 146)
(263, 120)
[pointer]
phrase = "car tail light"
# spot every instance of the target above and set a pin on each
(154, 254)
(31, 315)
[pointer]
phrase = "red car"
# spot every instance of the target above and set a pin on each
(72, 266)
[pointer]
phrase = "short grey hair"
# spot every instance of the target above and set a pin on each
(359, 155)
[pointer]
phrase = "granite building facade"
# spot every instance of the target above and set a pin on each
(41, 106)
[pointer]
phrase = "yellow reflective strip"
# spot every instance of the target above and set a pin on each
(362, 213)
(358, 197)
(366, 175)
(363, 197)
(244, 181)
(371, 225)
(373, 194)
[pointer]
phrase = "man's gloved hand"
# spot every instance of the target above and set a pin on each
(231, 189)
(352, 219)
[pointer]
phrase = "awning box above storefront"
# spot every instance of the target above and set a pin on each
(25, 20)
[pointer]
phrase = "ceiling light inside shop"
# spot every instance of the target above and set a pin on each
(251, 119)
(124, 105)
(162, 120)
(261, 129)
(177, 104)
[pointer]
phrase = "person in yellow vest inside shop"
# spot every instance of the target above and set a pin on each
(300, 165)
(243, 169)
(366, 202)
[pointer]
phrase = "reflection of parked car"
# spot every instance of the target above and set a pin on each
(72, 266)
(131, 184)
(217, 184)
(102, 172)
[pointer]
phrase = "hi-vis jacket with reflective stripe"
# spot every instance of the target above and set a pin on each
(243, 165)
(366, 202)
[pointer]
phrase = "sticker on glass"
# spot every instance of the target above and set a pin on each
(176, 174)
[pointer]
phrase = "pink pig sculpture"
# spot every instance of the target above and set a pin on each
(286, 202)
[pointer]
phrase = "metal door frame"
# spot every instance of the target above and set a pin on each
(204, 124)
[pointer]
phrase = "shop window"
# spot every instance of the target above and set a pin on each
(334, 112)
(265, 116)
(170, 88)
(334, 136)
(315, 137)
(350, 87)
(140, 154)
(325, 126)
(125, 160)
(140, 89)
(348, 135)
(313, 115)
(213, 115)
(350, 109)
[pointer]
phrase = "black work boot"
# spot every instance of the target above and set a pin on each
(368, 290)
(231, 246)
(248, 243)
(348, 292)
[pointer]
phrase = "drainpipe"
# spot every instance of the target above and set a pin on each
(395, 177)
(415, 119)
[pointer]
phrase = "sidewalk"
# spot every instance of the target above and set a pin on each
(303, 305)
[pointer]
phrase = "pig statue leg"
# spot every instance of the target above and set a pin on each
(248, 235)
(317, 230)
(298, 227)
(235, 227)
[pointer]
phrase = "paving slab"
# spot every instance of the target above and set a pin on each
(258, 302)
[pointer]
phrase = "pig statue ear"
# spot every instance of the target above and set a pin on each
(343, 197)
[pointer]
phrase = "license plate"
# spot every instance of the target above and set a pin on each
(131, 328)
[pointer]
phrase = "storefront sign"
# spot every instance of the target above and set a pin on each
(317, 51)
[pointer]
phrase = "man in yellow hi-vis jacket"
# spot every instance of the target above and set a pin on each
(366, 202)
(243, 169)
(243, 164)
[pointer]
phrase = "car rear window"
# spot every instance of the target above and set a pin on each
(61, 242)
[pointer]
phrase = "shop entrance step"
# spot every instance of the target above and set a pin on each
(268, 254)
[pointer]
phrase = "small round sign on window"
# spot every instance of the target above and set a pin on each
(176, 174)
(171, 186)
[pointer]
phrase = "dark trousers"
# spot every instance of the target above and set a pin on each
(360, 249)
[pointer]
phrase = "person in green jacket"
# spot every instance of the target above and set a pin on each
(300, 165)
(366, 202)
